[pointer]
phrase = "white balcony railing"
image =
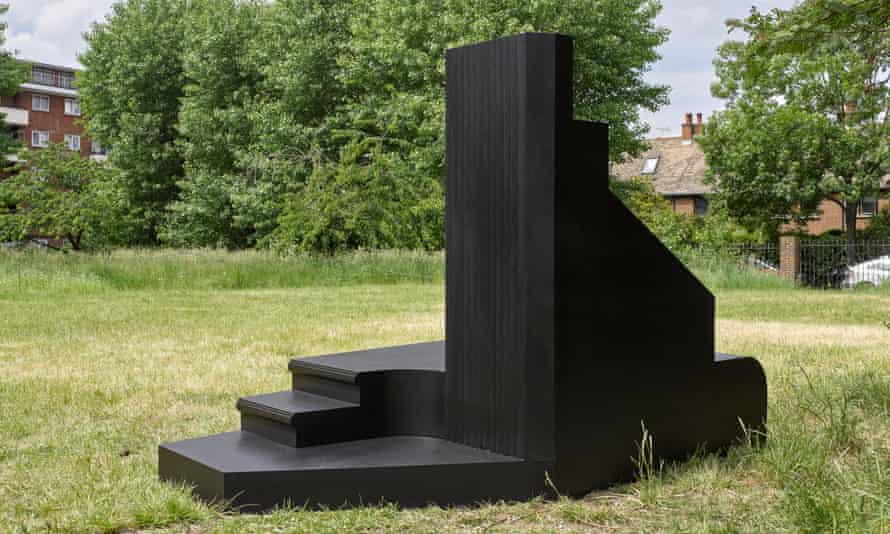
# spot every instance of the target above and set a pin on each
(14, 116)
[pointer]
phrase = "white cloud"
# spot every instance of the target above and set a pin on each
(51, 31)
(697, 29)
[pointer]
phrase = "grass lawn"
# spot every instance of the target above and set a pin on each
(101, 359)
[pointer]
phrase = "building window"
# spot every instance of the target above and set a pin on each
(66, 80)
(40, 102)
(39, 139)
(867, 207)
(701, 206)
(42, 76)
(650, 165)
(72, 107)
(97, 149)
(72, 142)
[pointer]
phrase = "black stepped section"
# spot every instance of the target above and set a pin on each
(254, 473)
(347, 366)
(338, 375)
(401, 389)
(301, 419)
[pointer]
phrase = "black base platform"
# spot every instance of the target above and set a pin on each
(251, 473)
(387, 450)
(569, 329)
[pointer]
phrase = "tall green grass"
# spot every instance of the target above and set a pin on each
(719, 271)
(164, 269)
(211, 270)
(214, 270)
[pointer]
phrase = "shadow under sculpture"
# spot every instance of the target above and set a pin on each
(568, 327)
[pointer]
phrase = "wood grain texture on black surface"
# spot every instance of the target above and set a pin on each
(506, 102)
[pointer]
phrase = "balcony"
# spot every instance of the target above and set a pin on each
(51, 78)
(14, 116)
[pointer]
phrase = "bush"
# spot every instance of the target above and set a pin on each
(680, 233)
(369, 199)
(879, 228)
(56, 193)
(676, 231)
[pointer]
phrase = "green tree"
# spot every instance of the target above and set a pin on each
(298, 118)
(240, 115)
(56, 193)
(215, 205)
(807, 114)
(396, 62)
(12, 74)
(131, 91)
(391, 76)
(259, 116)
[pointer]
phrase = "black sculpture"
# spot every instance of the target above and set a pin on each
(568, 325)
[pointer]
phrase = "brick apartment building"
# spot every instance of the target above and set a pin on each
(47, 110)
(677, 168)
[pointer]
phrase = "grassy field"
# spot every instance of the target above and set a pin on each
(102, 358)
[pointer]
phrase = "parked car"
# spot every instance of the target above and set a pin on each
(761, 265)
(872, 272)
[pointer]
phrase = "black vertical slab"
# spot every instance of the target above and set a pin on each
(507, 101)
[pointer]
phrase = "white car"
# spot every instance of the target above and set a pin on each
(872, 272)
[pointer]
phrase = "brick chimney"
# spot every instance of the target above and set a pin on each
(690, 129)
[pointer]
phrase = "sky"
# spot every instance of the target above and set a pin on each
(51, 31)
(697, 29)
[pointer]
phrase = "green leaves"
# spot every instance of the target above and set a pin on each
(320, 124)
(130, 93)
(12, 74)
(56, 193)
(807, 113)
(681, 233)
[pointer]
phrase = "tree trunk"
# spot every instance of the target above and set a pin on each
(74, 239)
(850, 210)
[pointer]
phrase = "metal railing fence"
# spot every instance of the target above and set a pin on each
(836, 264)
(762, 257)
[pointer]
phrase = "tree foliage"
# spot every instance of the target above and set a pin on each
(680, 233)
(808, 102)
(12, 74)
(215, 205)
(879, 229)
(319, 124)
(130, 91)
(371, 199)
(390, 76)
(56, 193)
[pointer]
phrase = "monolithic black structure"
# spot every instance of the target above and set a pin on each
(568, 327)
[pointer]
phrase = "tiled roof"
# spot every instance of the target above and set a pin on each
(680, 169)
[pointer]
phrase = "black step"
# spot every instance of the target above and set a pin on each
(301, 419)
(251, 473)
(338, 375)
(346, 391)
